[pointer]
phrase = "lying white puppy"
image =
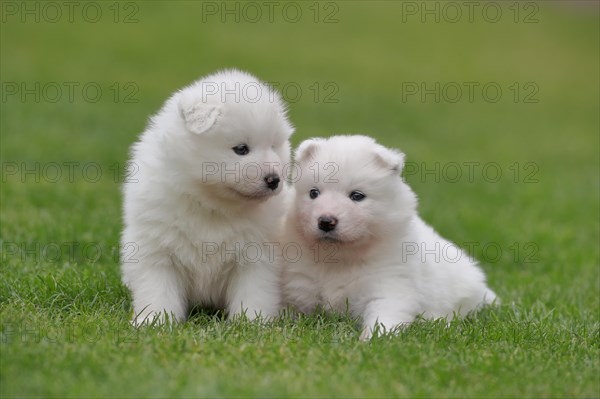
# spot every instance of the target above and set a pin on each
(201, 203)
(363, 247)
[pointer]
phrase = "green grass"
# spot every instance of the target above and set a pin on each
(64, 312)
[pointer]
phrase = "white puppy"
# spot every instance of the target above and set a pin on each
(201, 201)
(362, 246)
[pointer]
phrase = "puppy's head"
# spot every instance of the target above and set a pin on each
(235, 134)
(350, 191)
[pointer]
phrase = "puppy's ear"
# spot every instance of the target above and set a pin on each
(306, 149)
(389, 158)
(199, 117)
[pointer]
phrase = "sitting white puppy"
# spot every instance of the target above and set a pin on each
(362, 246)
(201, 202)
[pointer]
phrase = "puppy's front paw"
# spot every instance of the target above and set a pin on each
(153, 318)
(366, 334)
(380, 329)
(253, 315)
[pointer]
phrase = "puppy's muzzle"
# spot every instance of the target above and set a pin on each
(327, 223)
(272, 181)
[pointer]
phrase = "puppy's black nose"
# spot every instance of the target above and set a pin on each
(272, 181)
(327, 223)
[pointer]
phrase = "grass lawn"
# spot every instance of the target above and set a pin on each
(498, 115)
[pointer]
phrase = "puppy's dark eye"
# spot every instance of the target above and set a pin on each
(241, 149)
(357, 196)
(314, 193)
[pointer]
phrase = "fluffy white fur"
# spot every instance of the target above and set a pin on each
(381, 262)
(197, 215)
